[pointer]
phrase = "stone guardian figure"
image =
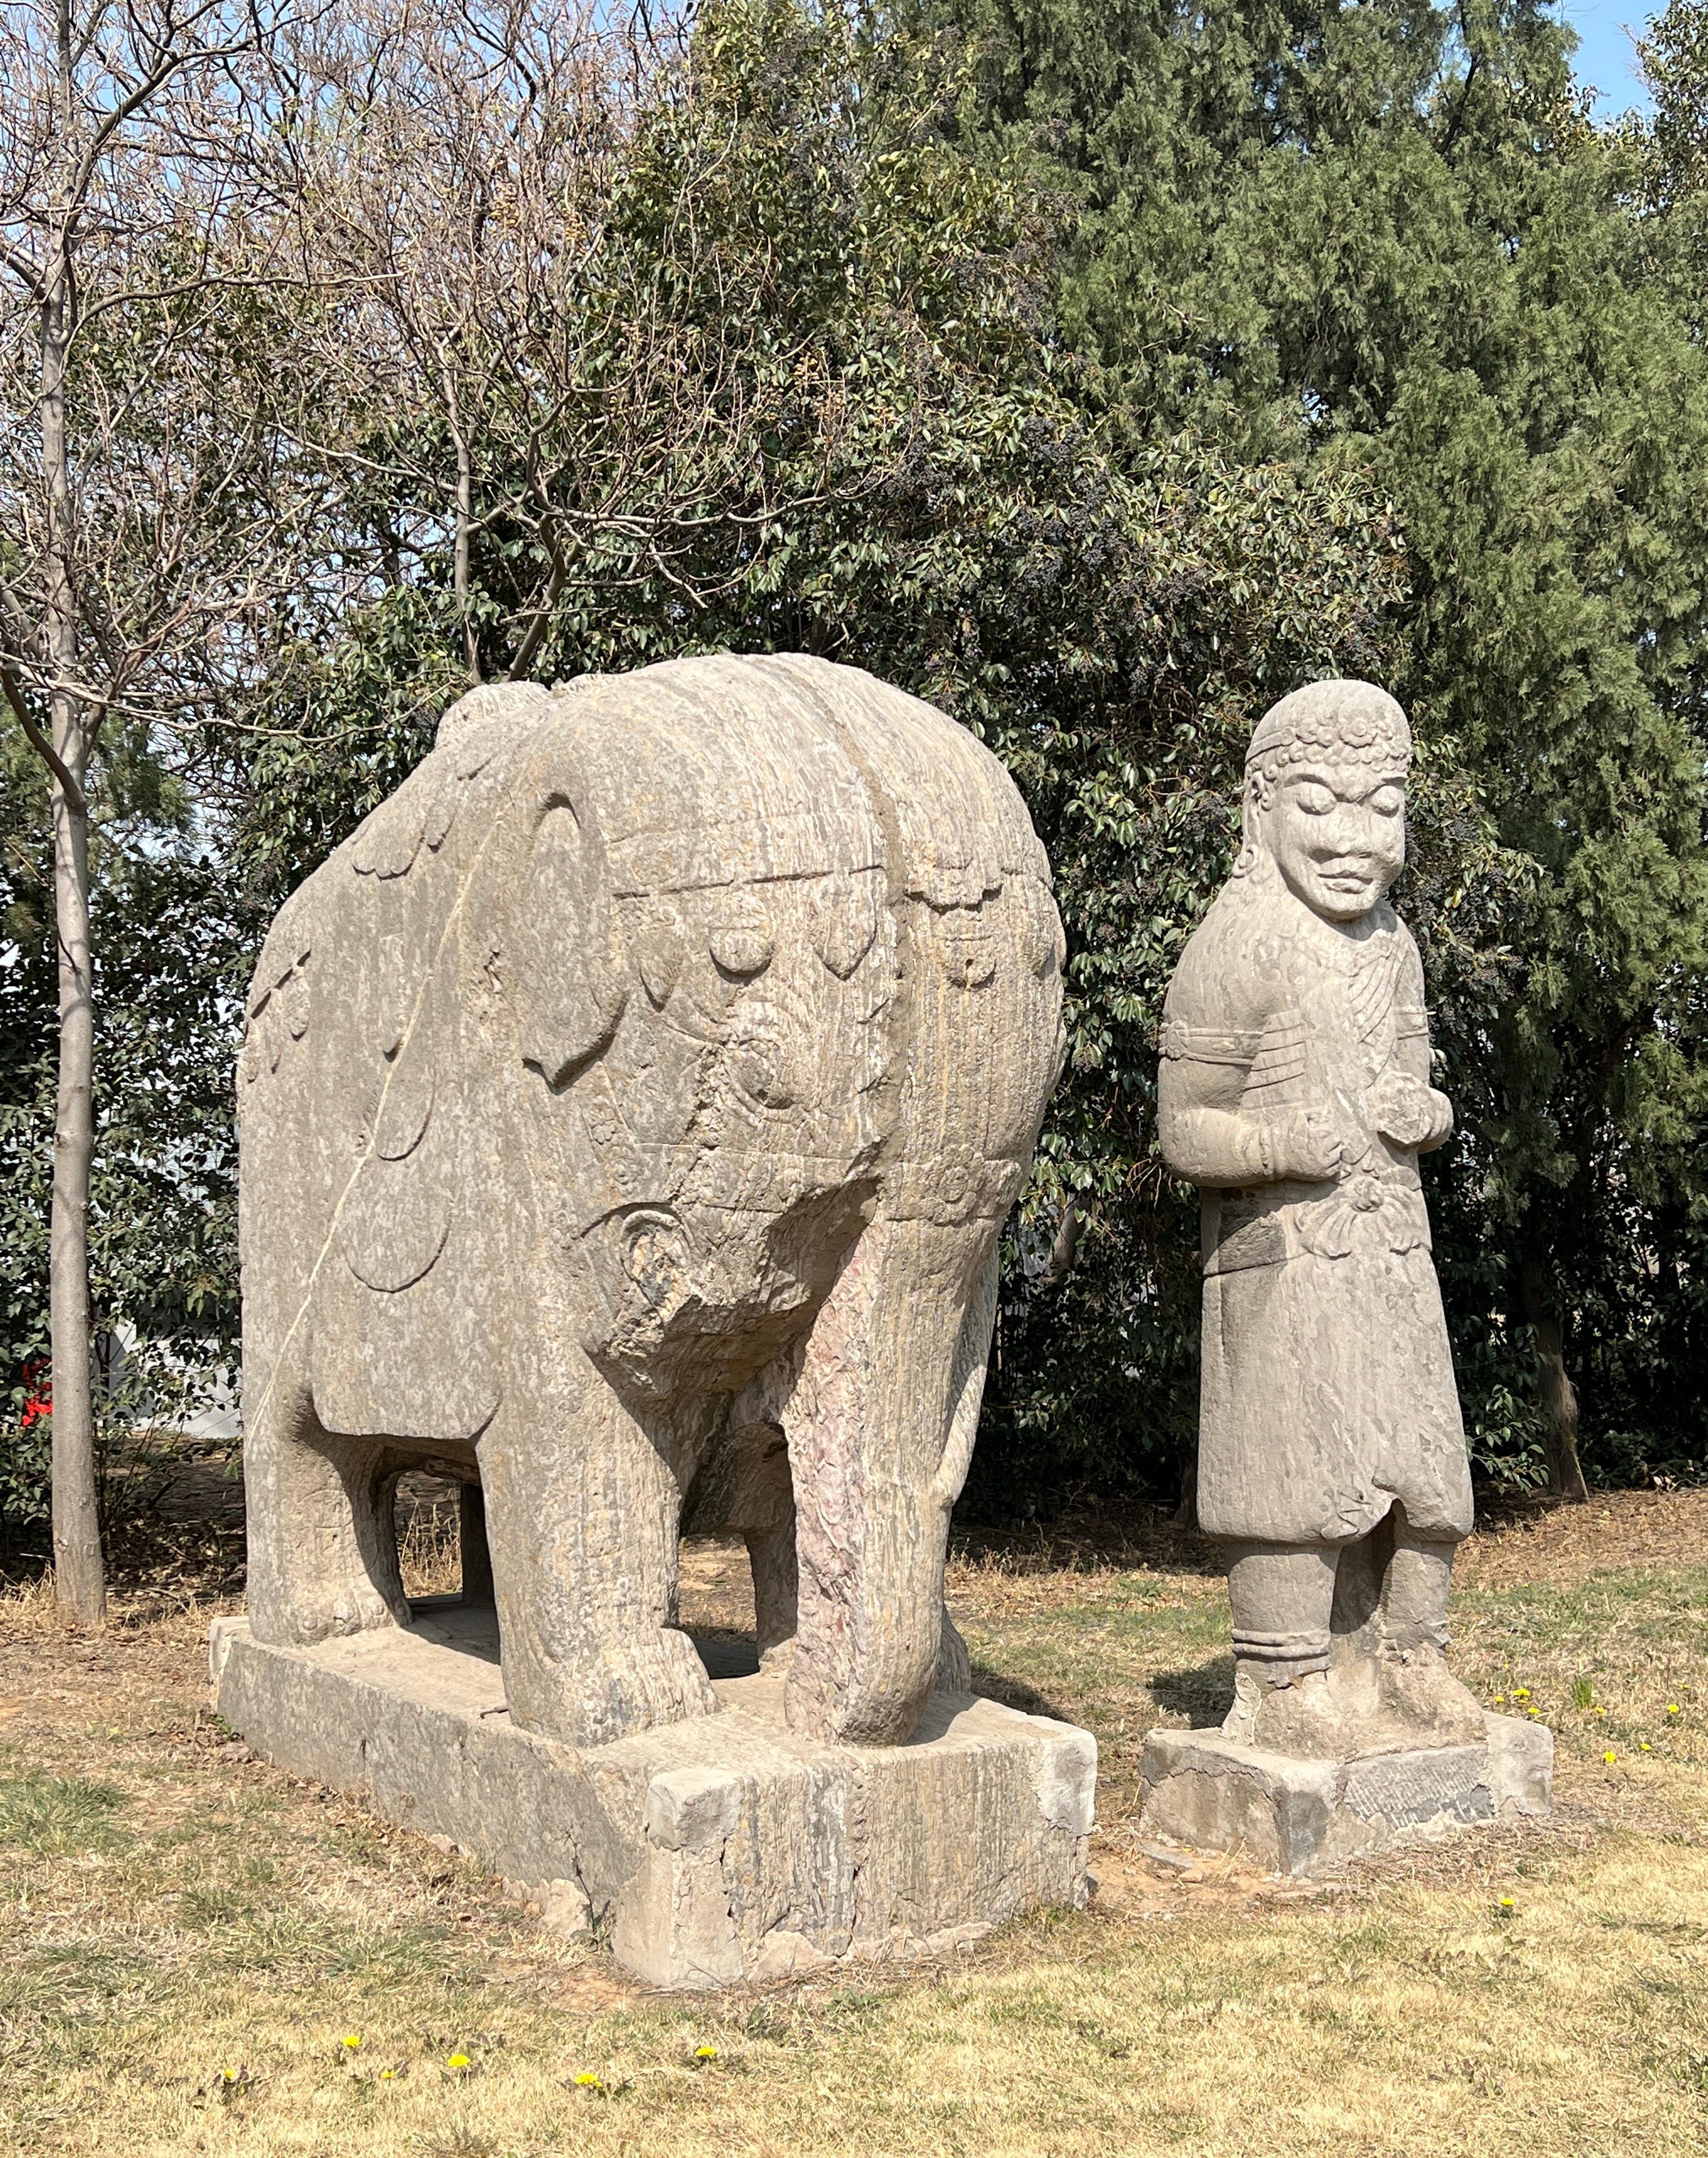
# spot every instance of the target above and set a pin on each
(1295, 1091)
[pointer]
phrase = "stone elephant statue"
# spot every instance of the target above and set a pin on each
(630, 1107)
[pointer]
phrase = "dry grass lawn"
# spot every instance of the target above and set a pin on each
(199, 1954)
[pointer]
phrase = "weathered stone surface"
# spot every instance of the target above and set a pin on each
(1299, 1816)
(1294, 1090)
(723, 1848)
(629, 1108)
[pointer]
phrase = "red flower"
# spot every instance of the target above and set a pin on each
(38, 1401)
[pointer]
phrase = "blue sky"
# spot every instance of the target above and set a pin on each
(1606, 56)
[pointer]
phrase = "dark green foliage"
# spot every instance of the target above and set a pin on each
(27, 1018)
(163, 1230)
(1379, 239)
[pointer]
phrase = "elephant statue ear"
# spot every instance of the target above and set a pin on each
(573, 975)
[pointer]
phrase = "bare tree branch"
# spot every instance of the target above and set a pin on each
(21, 265)
(38, 741)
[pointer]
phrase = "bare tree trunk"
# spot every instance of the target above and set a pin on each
(79, 1575)
(80, 1578)
(1555, 1391)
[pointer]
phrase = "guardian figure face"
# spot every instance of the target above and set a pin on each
(1336, 831)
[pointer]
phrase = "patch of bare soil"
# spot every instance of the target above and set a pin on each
(714, 1586)
(1545, 1542)
(1129, 1539)
(50, 1673)
(67, 1697)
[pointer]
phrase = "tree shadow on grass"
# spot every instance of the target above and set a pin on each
(1015, 1693)
(1202, 1696)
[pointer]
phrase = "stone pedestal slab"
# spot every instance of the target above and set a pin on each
(1302, 1817)
(721, 1849)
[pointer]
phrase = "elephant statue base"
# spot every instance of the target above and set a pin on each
(725, 1850)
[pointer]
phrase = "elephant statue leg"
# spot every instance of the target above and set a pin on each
(323, 1544)
(954, 1662)
(582, 1512)
(756, 1499)
(879, 1427)
(770, 1554)
(472, 1545)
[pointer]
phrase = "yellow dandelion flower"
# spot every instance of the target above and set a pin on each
(705, 2052)
(1520, 1693)
(352, 2040)
(1643, 1745)
(1501, 1701)
(1506, 1903)
(588, 2081)
(459, 2061)
(1673, 1709)
(1610, 1758)
(388, 2075)
(1601, 1711)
